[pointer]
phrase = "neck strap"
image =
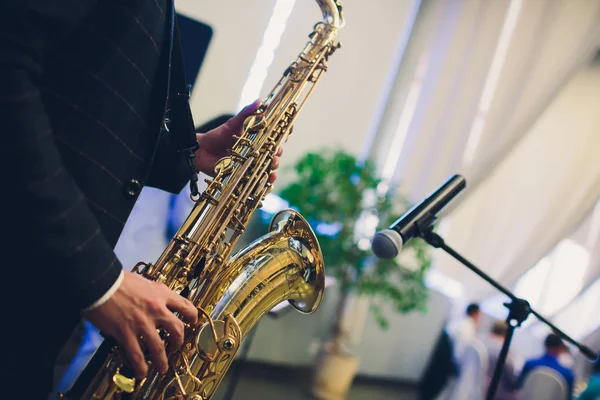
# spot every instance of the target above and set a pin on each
(181, 122)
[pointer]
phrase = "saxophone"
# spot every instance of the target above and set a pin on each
(231, 293)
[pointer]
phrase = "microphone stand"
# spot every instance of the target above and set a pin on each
(518, 309)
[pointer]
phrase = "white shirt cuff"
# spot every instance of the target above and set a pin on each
(108, 294)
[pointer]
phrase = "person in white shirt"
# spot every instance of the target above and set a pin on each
(470, 354)
(466, 330)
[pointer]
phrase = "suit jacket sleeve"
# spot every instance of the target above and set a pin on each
(53, 211)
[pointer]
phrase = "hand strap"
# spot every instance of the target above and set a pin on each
(180, 120)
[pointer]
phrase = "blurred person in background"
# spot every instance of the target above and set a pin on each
(440, 369)
(466, 331)
(565, 358)
(592, 391)
(507, 389)
(554, 349)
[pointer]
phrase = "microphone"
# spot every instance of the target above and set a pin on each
(389, 242)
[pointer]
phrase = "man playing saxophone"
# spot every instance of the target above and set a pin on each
(82, 100)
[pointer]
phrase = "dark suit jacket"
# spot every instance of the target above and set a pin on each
(82, 99)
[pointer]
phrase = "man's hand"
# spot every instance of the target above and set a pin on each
(214, 144)
(137, 309)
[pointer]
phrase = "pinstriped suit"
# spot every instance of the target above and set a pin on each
(82, 98)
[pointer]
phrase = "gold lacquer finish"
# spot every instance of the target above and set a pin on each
(231, 293)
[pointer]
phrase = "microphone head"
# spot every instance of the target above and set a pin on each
(387, 243)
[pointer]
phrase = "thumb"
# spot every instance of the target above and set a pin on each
(239, 119)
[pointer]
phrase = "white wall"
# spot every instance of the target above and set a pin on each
(238, 27)
(539, 193)
(400, 353)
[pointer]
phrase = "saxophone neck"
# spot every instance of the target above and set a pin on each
(332, 12)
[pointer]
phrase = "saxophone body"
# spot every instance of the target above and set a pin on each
(231, 293)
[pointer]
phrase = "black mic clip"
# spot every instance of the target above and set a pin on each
(425, 231)
(518, 311)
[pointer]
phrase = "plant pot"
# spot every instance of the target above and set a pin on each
(333, 374)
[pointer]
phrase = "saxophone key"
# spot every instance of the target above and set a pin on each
(237, 156)
(217, 185)
(200, 265)
(224, 166)
(209, 198)
(242, 140)
(124, 383)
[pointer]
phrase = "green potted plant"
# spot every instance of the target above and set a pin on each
(339, 197)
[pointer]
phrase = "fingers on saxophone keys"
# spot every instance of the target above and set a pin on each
(275, 163)
(183, 306)
(175, 328)
(272, 177)
(156, 348)
(135, 355)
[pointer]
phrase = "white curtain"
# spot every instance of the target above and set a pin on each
(536, 196)
(578, 312)
(468, 97)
